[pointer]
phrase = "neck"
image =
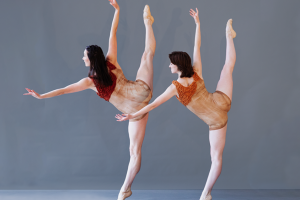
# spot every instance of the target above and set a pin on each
(179, 74)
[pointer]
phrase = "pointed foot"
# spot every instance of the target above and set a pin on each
(229, 29)
(124, 195)
(148, 18)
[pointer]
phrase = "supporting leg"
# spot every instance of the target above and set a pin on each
(217, 143)
(136, 136)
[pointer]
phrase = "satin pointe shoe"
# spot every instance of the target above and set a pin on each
(124, 195)
(229, 29)
(147, 15)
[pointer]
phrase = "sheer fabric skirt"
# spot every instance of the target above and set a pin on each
(130, 96)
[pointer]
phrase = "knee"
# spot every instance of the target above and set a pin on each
(229, 63)
(227, 70)
(216, 159)
(135, 152)
(148, 55)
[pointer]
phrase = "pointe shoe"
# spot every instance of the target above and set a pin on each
(208, 197)
(147, 15)
(229, 29)
(124, 195)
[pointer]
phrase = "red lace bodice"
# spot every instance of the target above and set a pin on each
(105, 92)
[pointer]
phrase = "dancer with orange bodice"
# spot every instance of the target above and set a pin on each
(190, 90)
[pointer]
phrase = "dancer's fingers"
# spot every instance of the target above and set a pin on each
(118, 116)
(197, 10)
(26, 94)
(27, 89)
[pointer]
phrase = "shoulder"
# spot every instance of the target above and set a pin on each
(112, 62)
(111, 59)
(172, 88)
(87, 81)
(174, 84)
(197, 72)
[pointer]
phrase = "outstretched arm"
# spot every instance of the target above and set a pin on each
(83, 84)
(112, 46)
(170, 92)
(197, 57)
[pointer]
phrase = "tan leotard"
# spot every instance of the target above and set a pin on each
(212, 108)
(127, 96)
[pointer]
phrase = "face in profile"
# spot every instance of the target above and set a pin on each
(86, 59)
(174, 68)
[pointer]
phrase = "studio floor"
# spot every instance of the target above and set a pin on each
(148, 194)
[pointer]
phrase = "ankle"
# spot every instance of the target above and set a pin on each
(229, 36)
(125, 189)
(205, 193)
(148, 23)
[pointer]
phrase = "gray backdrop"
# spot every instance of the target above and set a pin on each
(73, 141)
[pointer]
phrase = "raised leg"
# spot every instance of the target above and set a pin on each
(217, 143)
(225, 83)
(145, 71)
(136, 136)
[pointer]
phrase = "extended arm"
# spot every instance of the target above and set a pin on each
(170, 92)
(112, 46)
(197, 64)
(83, 84)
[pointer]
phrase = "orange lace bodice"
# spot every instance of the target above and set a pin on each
(186, 93)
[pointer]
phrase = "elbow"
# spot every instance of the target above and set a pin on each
(62, 91)
(113, 32)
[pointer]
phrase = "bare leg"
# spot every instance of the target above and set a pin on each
(136, 135)
(225, 83)
(217, 137)
(137, 129)
(145, 72)
(217, 144)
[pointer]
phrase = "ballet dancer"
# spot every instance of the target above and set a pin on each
(107, 79)
(190, 90)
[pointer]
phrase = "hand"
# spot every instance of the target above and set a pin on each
(195, 15)
(114, 4)
(123, 117)
(33, 93)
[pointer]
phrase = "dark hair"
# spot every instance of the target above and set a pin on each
(98, 67)
(183, 62)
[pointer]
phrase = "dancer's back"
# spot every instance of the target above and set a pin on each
(212, 108)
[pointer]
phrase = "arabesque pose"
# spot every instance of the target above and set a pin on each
(107, 79)
(190, 90)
